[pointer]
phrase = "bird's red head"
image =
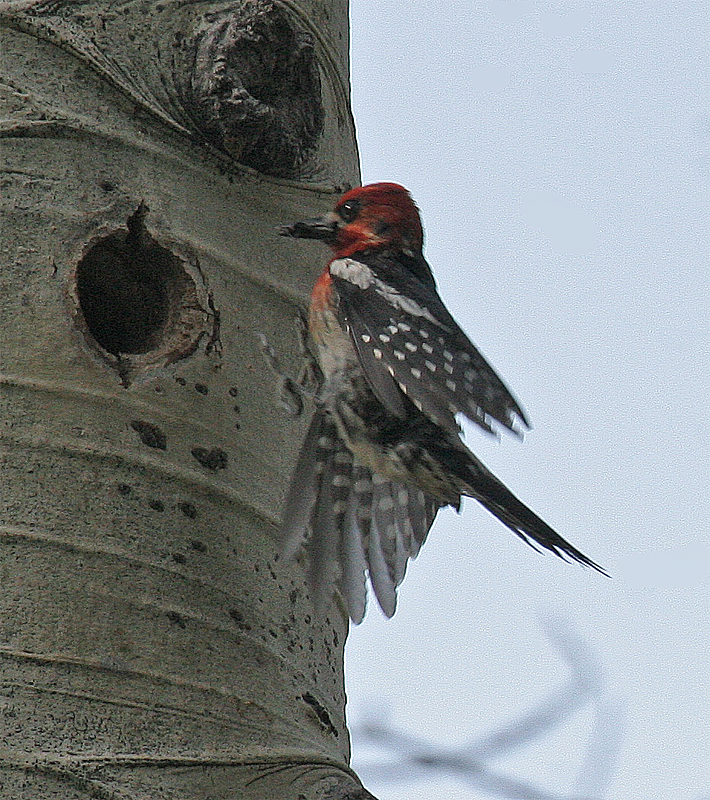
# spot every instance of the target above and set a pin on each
(380, 214)
(377, 215)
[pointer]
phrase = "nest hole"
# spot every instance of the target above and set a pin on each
(130, 289)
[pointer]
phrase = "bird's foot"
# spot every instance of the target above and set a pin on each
(292, 392)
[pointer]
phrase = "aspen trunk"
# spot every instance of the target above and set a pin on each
(151, 643)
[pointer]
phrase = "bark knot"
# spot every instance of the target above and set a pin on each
(255, 88)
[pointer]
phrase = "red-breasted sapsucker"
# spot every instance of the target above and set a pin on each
(383, 452)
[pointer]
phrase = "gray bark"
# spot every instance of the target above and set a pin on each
(152, 645)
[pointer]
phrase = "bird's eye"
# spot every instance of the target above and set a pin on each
(349, 211)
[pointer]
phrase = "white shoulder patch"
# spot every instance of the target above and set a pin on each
(353, 271)
(403, 303)
(360, 275)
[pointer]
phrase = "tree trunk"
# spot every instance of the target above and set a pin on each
(151, 643)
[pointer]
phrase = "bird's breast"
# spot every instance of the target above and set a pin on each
(334, 348)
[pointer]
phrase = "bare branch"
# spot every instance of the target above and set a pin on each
(416, 759)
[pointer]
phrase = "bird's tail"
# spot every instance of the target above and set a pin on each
(493, 495)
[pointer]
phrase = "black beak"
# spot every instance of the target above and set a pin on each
(323, 229)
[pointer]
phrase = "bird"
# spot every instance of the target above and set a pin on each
(383, 452)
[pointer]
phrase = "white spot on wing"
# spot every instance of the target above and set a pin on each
(411, 347)
(416, 372)
(427, 348)
(399, 355)
(430, 366)
(376, 352)
(365, 337)
(383, 337)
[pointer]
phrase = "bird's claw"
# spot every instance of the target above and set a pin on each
(292, 393)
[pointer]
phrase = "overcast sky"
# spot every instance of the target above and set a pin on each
(559, 155)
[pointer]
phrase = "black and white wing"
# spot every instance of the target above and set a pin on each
(351, 523)
(401, 329)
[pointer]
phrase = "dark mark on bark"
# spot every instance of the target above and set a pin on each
(213, 459)
(321, 713)
(151, 435)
